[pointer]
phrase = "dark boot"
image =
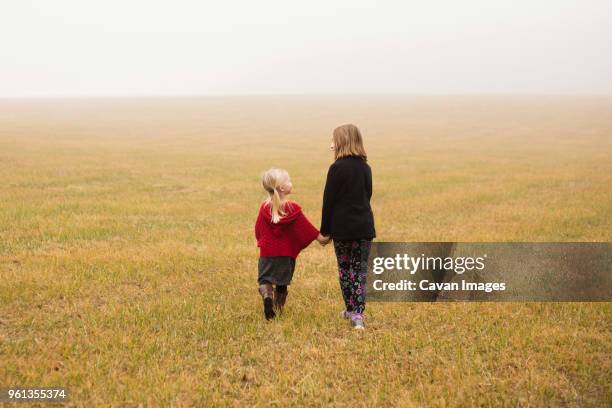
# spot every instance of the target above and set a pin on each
(266, 292)
(280, 297)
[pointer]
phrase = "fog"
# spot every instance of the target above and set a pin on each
(64, 48)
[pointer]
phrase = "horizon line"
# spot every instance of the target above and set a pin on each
(303, 94)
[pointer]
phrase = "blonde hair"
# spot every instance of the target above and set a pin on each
(348, 142)
(271, 180)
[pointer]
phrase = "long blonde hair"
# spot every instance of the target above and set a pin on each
(271, 180)
(348, 142)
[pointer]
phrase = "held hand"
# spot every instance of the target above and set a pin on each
(323, 240)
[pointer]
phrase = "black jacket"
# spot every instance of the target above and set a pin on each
(347, 214)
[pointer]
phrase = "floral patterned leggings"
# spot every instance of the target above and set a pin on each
(352, 257)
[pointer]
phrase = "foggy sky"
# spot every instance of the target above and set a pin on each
(124, 47)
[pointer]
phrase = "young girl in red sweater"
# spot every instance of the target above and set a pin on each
(282, 231)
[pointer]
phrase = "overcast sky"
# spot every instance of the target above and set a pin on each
(127, 47)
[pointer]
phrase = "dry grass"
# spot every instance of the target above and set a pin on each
(128, 265)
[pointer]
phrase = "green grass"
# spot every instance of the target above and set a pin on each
(128, 262)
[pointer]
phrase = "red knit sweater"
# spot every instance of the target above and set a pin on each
(287, 237)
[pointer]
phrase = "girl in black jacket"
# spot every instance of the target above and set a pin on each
(347, 217)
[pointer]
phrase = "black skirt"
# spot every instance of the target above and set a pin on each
(277, 270)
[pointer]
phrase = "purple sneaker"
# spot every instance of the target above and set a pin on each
(357, 321)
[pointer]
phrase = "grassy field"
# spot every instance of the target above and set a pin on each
(128, 262)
